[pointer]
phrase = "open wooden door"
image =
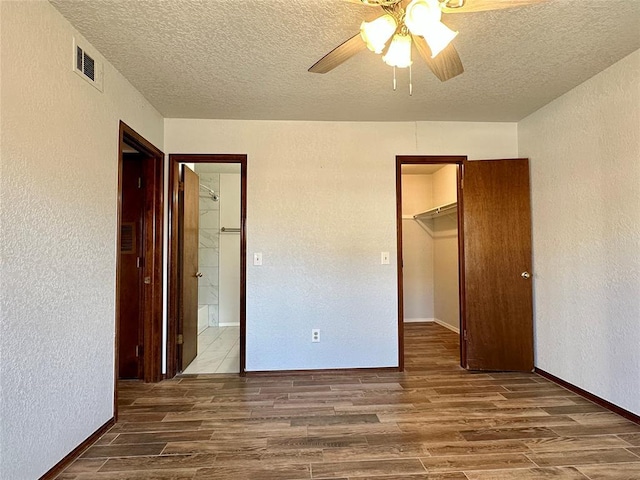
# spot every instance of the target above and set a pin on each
(189, 274)
(498, 331)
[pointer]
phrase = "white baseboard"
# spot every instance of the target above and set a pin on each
(229, 325)
(446, 325)
(432, 320)
(419, 320)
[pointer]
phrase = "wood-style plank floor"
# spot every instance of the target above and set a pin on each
(435, 421)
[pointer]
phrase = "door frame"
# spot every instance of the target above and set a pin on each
(152, 303)
(460, 161)
(173, 264)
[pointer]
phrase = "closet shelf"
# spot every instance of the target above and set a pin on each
(445, 209)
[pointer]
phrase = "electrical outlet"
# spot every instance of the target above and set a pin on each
(315, 335)
(384, 258)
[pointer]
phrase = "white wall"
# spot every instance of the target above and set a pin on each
(59, 140)
(585, 176)
(417, 250)
(321, 208)
(446, 297)
(417, 274)
(445, 185)
(230, 203)
(417, 193)
(446, 293)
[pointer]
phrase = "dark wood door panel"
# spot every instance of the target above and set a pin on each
(497, 249)
(190, 221)
(130, 249)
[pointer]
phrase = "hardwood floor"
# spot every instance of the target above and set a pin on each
(435, 421)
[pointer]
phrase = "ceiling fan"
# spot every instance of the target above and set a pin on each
(412, 22)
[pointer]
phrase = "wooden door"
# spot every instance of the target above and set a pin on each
(130, 331)
(497, 265)
(189, 241)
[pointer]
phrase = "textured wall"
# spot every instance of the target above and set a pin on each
(417, 249)
(57, 239)
(446, 296)
(417, 275)
(321, 208)
(585, 177)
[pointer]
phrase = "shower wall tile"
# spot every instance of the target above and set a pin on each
(209, 238)
(207, 257)
(209, 277)
(208, 253)
(208, 296)
(214, 319)
(209, 219)
(211, 180)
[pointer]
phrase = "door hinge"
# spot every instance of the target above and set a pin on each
(139, 350)
(180, 340)
(139, 182)
(181, 186)
(464, 335)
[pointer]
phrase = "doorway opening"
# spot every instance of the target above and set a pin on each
(207, 251)
(430, 240)
(139, 266)
(495, 292)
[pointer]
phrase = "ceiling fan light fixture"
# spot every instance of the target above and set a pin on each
(453, 3)
(420, 15)
(377, 33)
(438, 36)
(399, 53)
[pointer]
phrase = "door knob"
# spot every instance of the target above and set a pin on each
(198, 274)
(525, 275)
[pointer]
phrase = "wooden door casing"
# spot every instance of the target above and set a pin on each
(151, 172)
(174, 300)
(497, 250)
(189, 241)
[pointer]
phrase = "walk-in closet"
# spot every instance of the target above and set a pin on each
(430, 244)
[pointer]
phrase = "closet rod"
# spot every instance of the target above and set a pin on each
(433, 212)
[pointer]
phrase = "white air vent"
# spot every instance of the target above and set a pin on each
(86, 64)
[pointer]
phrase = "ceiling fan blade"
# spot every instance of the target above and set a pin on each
(447, 63)
(338, 55)
(471, 6)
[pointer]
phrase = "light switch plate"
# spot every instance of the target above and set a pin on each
(384, 258)
(257, 258)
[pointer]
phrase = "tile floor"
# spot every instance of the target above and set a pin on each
(218, 351)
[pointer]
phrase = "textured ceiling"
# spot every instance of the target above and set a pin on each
(248, 59)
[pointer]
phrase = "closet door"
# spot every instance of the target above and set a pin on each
(498, 333)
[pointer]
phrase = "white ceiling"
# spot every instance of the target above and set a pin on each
(248, 59)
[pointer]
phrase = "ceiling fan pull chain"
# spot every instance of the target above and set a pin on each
(410, 82)
(394, 79)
